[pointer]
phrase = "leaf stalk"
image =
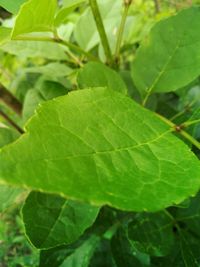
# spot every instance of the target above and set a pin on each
(101, 29)
(121, 29)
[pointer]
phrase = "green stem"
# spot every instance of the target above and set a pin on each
(180, 131)
(157, 6)
(10, 100)
(75, 48)
(59, 41)
(190, 139)
(186, 109)
(101, 30)
(188, 123)
(11, 122)
(168, 122)
(146, 98)
(121, 30)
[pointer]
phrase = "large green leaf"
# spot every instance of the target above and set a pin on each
(169, 58)
(35, 16)
(96, 74)
(51, 220)
(12, 5)
(99, 146)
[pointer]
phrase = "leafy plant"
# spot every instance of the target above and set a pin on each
(99, 133)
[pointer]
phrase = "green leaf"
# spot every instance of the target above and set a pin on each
(44, 90)
(7, 135)
(96, 74)
(97, 145)
(35, 16)
(74, 255)
(8, 196)
(83, 254)
(12, 5)
(185, 252)
(54, 69)
(152, 233)
(190, 216)
(68, 7)
(52, 221)
(33, 49)
(169, 59)
(124, 253)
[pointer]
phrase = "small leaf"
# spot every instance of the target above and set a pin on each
(35, 16)
(169, 58)
(96, 74)
(52, 221)
(68, 7)
(44, 90)
(99, 146)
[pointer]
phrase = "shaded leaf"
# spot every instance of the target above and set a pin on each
(124, 253)
(52, 221)
(152, 233)
(169, 59)
(96, 74)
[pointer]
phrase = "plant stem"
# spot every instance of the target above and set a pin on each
(190, 139)
(101, 30)
(186, 109)
(180, 130)
(121, 29)
(75, 48)
(157, 6)
(188, 123)
(11, 122)
(59, 41)
(146, 98)
(10, 100)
